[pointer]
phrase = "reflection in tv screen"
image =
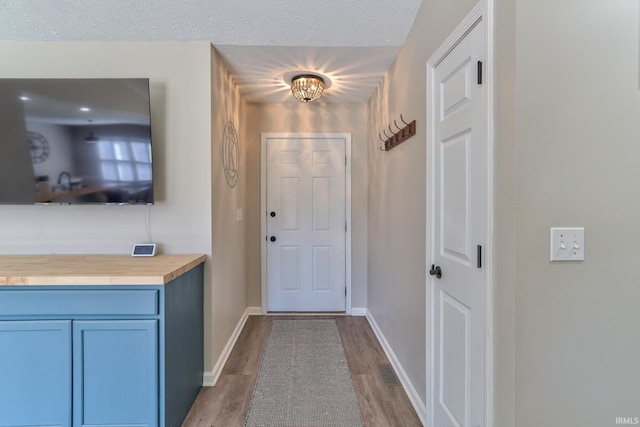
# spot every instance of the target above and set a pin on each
(68, 141)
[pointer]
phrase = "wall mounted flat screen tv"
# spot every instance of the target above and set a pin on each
(75, 141)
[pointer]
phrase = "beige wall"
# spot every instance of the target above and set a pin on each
(577, 133)
(191, 100)
(504, 249)
(567, 102)
(180, 219)
(298, 117)
(228, 290)
(567, 95)
(397, 193)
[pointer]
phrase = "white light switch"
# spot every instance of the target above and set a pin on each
(567, 244)
(239, 215)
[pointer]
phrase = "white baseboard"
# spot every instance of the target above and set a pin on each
(209, 378)
(414, 397)
(358, 311)
(254, 311)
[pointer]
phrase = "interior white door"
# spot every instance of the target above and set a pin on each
(457, 298)
(306, 222)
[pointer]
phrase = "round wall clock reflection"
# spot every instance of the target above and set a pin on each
(230, 154)
(39, 147)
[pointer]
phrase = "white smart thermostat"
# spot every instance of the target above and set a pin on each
(144, 249)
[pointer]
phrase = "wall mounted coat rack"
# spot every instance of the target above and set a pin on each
(398, 137)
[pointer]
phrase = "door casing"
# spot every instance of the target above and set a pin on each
(483, 10)
(263, 207)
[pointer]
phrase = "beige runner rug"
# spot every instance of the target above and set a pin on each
(304, 379)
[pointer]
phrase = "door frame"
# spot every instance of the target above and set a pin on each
(482, 11)
(263, 206)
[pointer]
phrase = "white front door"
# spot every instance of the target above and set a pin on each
(306, 224)
(457, 233)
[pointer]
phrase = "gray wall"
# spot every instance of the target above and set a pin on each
(504, 233)
(17, 180)
(60, 157)
(397, 194)
(577, 149)
(567, 102)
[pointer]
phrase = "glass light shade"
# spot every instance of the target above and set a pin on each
(307, 88)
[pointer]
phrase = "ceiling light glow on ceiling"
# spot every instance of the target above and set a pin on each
(307, 87)
(24, 98)
(85, 109)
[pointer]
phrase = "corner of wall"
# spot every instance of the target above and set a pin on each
(228, 202)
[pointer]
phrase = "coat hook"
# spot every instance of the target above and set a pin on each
(383, 144)
(399, 136)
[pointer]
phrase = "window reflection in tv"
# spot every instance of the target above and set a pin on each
(75, 141)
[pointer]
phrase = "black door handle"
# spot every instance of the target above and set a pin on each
(435, 271)
(272, 238)
(273, 214)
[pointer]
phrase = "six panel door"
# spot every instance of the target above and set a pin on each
(306, 220)
(457, 298)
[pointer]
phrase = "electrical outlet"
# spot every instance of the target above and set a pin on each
(567, 244)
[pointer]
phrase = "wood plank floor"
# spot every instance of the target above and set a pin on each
(383, 401)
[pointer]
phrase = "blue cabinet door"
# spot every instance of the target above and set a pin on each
(115, 373)
(35, 373)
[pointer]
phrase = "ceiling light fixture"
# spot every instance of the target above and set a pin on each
(307, 87)
(91, 138)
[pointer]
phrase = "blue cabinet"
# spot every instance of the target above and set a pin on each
(115, 373)
(35, 373)
(101, 355)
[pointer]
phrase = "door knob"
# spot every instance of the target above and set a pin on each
(273, 214)
(435, 271)
(272, 238)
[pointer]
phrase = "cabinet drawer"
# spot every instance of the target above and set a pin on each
(78, 302)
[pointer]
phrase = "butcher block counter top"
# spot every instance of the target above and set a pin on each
(20, 270)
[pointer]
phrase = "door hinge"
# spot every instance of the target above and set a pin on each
(345, 226)
(479, 255)
(479, 72)
(345, 291)
(345, 161)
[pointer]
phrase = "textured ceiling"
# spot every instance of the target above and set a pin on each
(353, 42)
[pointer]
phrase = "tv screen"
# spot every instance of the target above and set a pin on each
(68, 141)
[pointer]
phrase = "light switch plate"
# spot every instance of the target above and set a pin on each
(239, 215)
(567, 244)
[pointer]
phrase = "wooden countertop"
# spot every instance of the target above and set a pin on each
(94, 269)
